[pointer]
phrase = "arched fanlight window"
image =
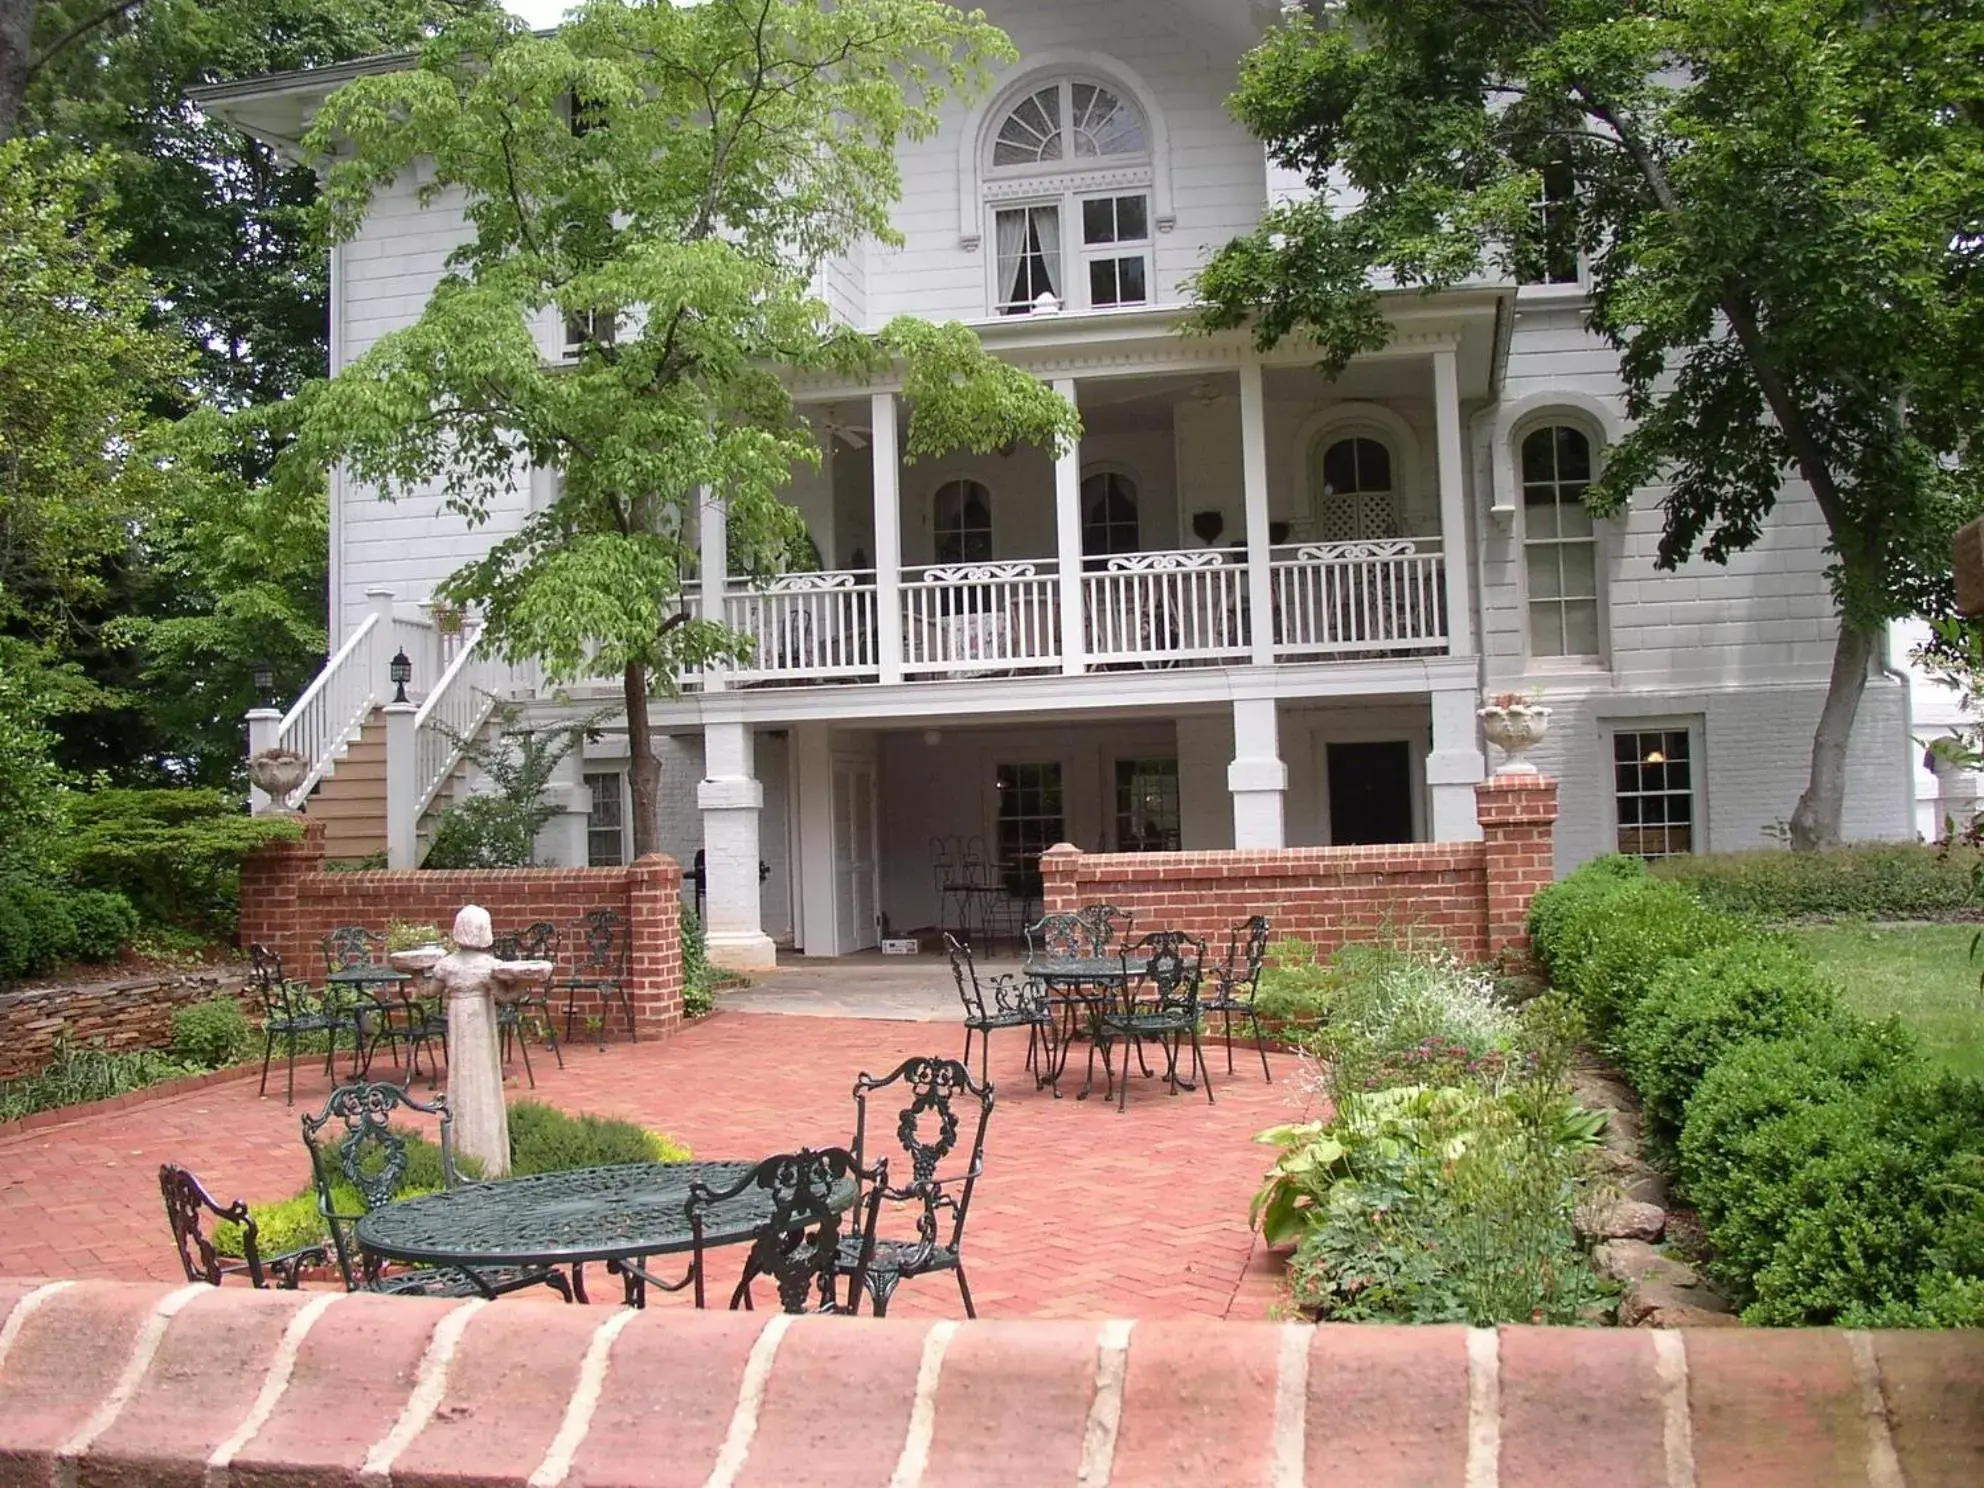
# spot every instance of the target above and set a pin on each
(1060, 131)
(1109, 514)
(962, 522)
(1354, 495)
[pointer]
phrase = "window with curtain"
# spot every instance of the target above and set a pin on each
(962, 522)
(1354, 497)
(1109, 514)
(1064, 132)
(1560, 545)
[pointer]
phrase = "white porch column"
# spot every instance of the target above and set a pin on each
(1454, 541)
(713, 533)
(1254, 488)
(402, 787)
(1068, 548)
(813, 798)
(1257, 779)
(1454, 766)
(731, 797)
(262, 726)
(884, 447)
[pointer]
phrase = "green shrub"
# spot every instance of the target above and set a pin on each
(1755, 1083)
(286, 1225)
(105, 923)
(1881, 881)
(212, 1034)
(1295, 986)
(1697, 1008)
(544, 1139)
(1551, 911)
(1613, 945)
(175, 855)
(17, 939)
(78, 1075)
(698, 979)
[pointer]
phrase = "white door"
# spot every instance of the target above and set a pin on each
(854, 855)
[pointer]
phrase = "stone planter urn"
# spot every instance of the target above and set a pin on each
(1514, 726)
(278, 772)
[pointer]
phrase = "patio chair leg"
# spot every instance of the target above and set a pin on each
(964, 1291)
(1226, 1023)
(551, 1036)
(268, 1051)
(627, 1002)
(1123, 1089)
(289, 1091)
(1199, 1064)
(523, 1047)
(1261, 1048)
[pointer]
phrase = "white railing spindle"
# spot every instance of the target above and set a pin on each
(971, 618)
(1167, 607)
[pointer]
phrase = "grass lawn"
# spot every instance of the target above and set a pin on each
(1921, 973)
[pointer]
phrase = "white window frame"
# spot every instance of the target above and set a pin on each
(587, 777)
(1577, 286)
(1075, 256)
(1694, 726)
(1600, 660)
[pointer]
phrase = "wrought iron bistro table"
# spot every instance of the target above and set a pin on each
(620, 1215)
(1082, 985)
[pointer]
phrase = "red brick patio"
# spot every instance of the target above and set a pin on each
(1082, 1213)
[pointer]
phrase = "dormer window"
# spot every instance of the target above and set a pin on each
(1070, 157)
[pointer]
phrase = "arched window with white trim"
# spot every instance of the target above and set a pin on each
(1068, 193)
(961, 522)
(1559, 543)
(1353, 490)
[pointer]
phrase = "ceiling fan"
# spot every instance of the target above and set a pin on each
(854, 436)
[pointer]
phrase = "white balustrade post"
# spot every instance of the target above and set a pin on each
(713, 531)
(263, 724)
(1454, 766)
(884, 449)
(1257, 779)
(1068, 547)
(1453, 506)
(1254, 485)
(731, 798)
(402, 786)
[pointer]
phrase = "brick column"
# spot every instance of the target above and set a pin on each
(270, 879)
(1518, 815)
(1058, 894)
(654, 964)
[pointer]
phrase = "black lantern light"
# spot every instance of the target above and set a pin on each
(262, 677)
(400, 669)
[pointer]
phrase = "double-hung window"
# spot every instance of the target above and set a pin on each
(1068, 188)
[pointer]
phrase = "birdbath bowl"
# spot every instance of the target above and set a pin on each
(418, 960)
(513, 976)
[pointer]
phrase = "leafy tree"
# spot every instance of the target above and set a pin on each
(671, 178)
(498, 828)
(1779, 203)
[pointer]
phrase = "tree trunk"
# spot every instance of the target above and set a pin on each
(644, 768)
(1815, 824)
(16, 32)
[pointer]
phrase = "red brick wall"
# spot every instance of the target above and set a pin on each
(1473, 895)
(135, 1013)
(288, 903)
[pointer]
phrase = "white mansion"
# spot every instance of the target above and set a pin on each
(1253, 608)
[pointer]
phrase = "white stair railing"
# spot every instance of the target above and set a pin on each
(455, 709)
(334, 707)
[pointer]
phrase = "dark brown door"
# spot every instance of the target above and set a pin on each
(1370, 793)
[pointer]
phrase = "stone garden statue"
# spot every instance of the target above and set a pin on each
(468, 977)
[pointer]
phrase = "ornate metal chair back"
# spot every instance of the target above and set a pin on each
(1060, 936)
(975, 863)
(1109, 927)
(964, 971)
(927, 1130)
(185, 1198)
(280, 998)
(352, 946)
(602, 947)
(538, 941)
(799, 1242)
(1173, 962)
(944, 856)
(1246, 952)
(369, 1154)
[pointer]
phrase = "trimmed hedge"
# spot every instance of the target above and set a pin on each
(1838, 1177)
(46, 923)
(1886, 881)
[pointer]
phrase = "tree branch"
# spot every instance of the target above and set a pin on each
(78, 31)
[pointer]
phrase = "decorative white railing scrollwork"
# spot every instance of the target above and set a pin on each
(1338, 599)
(1166, 607)
(972, 618)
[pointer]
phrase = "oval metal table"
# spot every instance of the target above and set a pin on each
(1082, 985)
(620, 1215)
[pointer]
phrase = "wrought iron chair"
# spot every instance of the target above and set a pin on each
(370, 1156)
(535, 942)
(799, 1245)
(1008, 1002)
(1234, 983)
(1061, 936)
(393, 1018)
(599, 965)
(1109, 926)
(1168, 1011)
(290, 1012)
(935, 1087)
(185, 1198)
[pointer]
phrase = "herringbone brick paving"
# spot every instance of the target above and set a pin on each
(1082, 1213)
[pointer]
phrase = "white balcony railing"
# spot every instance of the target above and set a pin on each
(806, 626)
(454, 710)
(967, 618)
(1145, 608)
(1351, 598)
